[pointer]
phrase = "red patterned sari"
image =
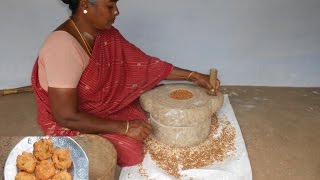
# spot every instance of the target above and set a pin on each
(109, 88)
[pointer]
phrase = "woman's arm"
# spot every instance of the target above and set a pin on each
(202, 80)
(64, 107)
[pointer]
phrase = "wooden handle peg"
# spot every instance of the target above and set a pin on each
(213, 76)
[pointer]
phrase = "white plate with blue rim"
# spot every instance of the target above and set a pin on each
(80, 163)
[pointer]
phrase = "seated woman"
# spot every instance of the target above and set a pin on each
(88, 78)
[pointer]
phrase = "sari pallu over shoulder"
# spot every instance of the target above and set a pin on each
(118, 73)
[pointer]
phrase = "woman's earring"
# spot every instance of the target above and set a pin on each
(85, 11)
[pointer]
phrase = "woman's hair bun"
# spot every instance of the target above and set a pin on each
(73, 4)
(66, 1)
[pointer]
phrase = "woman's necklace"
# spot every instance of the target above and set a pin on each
(88, 47)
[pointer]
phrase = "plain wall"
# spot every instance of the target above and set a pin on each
(251, 42)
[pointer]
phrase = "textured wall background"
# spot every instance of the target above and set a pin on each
(251, 42)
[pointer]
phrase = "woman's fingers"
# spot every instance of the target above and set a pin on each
(139, 129)
(217, 84)
(143, 135)
(147, 131)
(147, 125)
(203, 80)
(212, 92)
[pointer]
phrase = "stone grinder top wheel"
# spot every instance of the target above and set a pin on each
(173, 99)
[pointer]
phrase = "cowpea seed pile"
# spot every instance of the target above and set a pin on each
(181, 94)
(216, 147)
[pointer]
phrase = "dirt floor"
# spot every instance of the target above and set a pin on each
(280, 127)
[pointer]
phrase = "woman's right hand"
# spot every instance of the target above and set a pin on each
(139, 129)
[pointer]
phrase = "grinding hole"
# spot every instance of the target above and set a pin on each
(181, 94)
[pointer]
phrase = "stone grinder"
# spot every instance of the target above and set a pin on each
(181, 113)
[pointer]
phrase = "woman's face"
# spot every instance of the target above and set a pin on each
(103, 13)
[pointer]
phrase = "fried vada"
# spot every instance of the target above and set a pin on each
(26, 162)
(45, 170)
(43, 149)
(62, 158)
(24, 176)
(62, 175)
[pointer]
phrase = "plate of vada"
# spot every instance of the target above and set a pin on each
(44, 157)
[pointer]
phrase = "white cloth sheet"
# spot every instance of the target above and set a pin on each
(235, 167)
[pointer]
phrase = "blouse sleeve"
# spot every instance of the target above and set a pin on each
(63, 60)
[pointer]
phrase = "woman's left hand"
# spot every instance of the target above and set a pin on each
(203, 80)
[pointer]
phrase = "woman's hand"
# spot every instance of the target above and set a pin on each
(203, 80)
(139, 129)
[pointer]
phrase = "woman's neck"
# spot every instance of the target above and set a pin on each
(86, 29)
